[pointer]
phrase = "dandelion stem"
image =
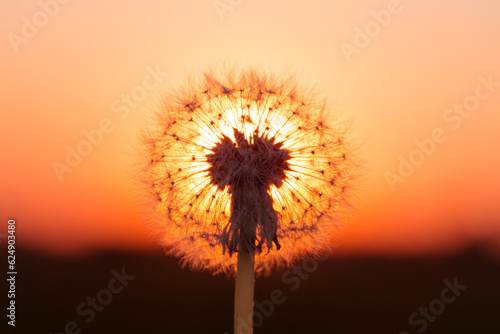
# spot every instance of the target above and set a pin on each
(244, 292)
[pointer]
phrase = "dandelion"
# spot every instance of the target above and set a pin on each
(245, 162)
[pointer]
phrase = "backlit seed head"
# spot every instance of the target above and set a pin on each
(245, 159)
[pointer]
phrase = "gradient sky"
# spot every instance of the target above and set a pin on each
(429, 56)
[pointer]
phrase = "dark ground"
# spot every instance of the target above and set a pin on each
(344, 295)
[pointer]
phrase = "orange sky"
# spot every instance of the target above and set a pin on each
(70, 73)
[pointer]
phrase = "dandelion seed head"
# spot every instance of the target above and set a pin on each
(242, 158)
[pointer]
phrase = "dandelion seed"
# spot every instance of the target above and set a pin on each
(249, 164)
(250, 144)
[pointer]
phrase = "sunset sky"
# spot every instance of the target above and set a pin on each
(394, 71)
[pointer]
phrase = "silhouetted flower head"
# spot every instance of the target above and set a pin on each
(245, 159)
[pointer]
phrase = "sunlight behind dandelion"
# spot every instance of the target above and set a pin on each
(224, 129)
